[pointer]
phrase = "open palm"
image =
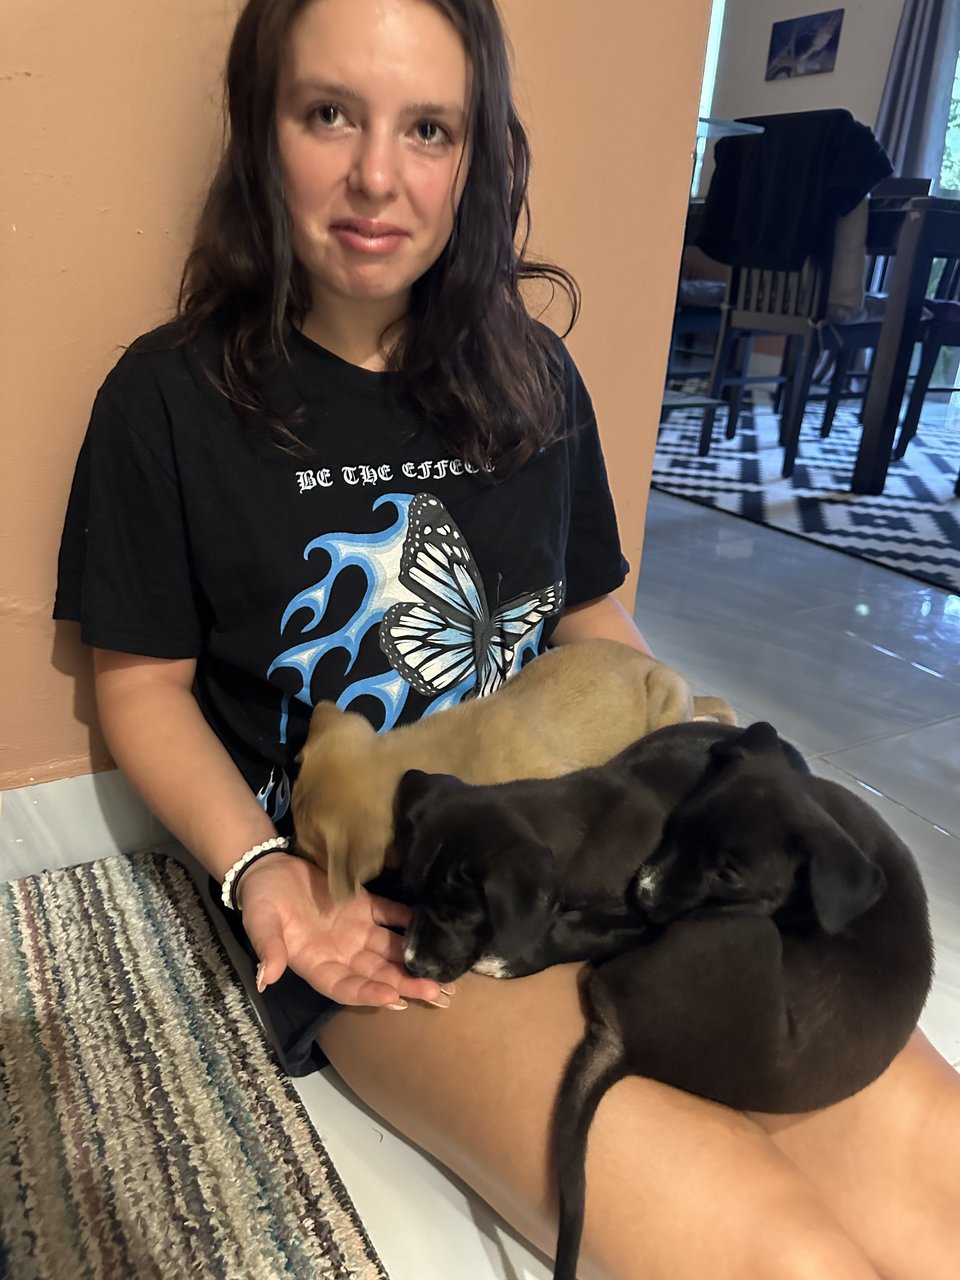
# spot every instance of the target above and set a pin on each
(346, 951)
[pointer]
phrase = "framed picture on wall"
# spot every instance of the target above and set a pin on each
(804, 46)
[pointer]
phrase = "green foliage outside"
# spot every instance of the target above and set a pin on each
(950, 169)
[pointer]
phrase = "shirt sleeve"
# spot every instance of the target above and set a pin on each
(595, 564)
(124, 570)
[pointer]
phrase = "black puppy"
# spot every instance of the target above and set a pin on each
(511, 878)
(793, 966)
(485, 875)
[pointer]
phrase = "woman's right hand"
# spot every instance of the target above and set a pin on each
(345, 952)
(159, 737)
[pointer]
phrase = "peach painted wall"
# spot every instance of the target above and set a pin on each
(609, 91)
(110, 114)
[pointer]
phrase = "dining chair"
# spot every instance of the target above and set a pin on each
(852, 360)
(793, 304)
(939, 329)
(696, 314)
(696, 311)
(787, 212)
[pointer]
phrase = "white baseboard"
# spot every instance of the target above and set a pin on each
(73, 820)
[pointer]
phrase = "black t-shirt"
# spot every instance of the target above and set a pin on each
(377, 571)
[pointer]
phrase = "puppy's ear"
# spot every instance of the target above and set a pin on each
(415, 792)
(325, 842)
(756, 739)
(412, 786)
(844, 882)
(366, 861)
(416, 788)
(340, 877)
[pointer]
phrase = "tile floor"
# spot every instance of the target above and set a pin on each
(857, 665)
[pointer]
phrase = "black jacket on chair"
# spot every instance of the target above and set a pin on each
(775, 197)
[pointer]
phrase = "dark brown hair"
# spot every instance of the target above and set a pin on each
(468, 354)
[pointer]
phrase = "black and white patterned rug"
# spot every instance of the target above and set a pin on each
(913, 526)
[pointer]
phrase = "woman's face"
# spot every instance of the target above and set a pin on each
(371, 122)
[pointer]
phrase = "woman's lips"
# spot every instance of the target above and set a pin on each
(368, 237)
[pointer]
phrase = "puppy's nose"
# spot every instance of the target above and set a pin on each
(424, 967)
(421, 966)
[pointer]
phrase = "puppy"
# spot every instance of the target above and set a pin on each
(489, 873)
(510, 878)
(793, 962)
(573, 706)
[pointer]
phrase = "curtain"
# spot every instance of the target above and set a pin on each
(912, 120)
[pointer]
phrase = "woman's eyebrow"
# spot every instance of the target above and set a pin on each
(331, 88)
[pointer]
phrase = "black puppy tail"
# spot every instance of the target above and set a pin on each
(594, 1067)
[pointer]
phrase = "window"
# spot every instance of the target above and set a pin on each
(950, 168)
(709, 80)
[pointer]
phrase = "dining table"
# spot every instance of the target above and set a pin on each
(915, 232)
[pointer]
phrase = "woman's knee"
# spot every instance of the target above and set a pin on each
(792, 1244)
(795, 1247)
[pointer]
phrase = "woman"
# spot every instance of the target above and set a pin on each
(353, 468)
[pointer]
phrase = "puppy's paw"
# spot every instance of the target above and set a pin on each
(493, 967)
(669, 700)
(709, 707)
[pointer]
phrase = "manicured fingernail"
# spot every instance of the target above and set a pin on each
(401, 1005)
(260, 982)
(448, 990)
(443, 1002)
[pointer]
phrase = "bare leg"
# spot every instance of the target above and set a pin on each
(679, 1188)
(888, 1163)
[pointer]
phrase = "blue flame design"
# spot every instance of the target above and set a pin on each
(378, 556)
(274, 796)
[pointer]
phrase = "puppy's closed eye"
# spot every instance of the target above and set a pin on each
(727, 872)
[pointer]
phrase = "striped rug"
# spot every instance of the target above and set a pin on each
(145, 1130)
(912, 527)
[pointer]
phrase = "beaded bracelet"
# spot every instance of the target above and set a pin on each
(228, 892)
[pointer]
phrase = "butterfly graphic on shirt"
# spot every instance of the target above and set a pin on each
(447, 637)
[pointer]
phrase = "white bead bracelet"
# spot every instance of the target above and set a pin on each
(228, 892)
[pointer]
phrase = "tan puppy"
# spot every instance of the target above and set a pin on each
(573, 706)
